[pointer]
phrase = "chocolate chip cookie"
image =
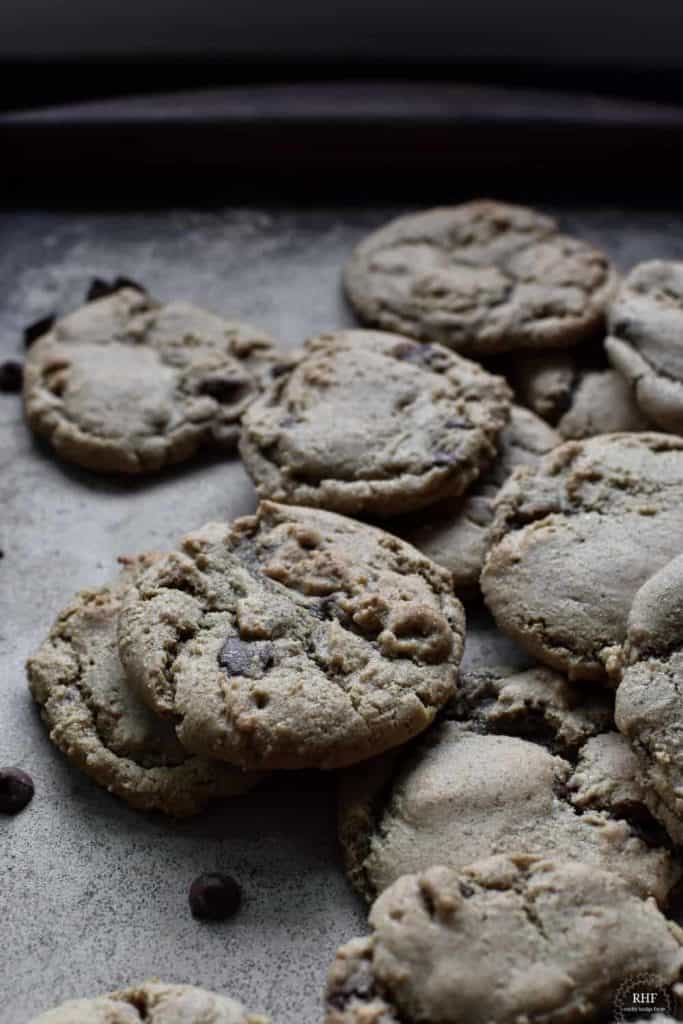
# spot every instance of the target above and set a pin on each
(128, 385)
(505, 940)
(155, 1003)
(574, 539)
(293, 638)
(489, 783)
(96, 719)
(455, 532)
(648, 705)
(367, 422)
(581, 399)
(644, 342)
(481, 277)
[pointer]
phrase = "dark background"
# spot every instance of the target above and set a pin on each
(54, 50)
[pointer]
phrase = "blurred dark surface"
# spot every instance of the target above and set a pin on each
(157, 101)
(58, 50)
(345, 141)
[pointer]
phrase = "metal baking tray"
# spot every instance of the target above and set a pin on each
(93, 895)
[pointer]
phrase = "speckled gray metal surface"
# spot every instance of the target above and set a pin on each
(94, 895)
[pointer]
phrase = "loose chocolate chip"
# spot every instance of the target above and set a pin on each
(11, 376)
(214, 897)
(38, 329)
(224, 389)
(100, 289)
(242, 658)
(16, 790)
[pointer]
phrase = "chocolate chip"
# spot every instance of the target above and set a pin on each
(214, 897)
(242, 658)
(443, 459)
(100, 289)
(224, 389)
(127, 282)
(16, 790)
(11, 376)
(279, 369)
(38, 328)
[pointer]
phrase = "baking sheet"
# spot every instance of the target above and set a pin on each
(93, 895)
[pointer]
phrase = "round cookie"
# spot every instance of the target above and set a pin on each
(648, 702)
(645, 340)
(573, 540)
(533, 703)
(367, 422)
(480, 278)
(96, 719)
(155, 1003)
(601, 403)
(455, 532)
(128, 385)
(504, 941)
(464, 792)
(293, 638)
(574, 391)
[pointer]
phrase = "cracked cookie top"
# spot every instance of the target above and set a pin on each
(485, 780)
(507, 939)
(644, 341)
(371, 422)
(481, 277)
(293, 638)
(454, 532)
(573, 540)
(97, 720)
(128, 385)
(155, 1003)
(649, 704)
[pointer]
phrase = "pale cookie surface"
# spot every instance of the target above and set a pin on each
(375, 423)
(464, 792)
(293, 638)
(575, 538)
(644, 342)
(155, 1003)
(455, 532)
(504, 941)
(649, 710)
(102, 726)
(128, 385)
(479, 278)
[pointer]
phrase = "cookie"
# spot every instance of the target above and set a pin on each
(128, 385)
(648, 702)
(534, 703)
(644, 342)
(293, 638)
(455, 532)
(573, 540)
(367, 422)
(504, 941)
(481, 277)
(580, 399)
(154, 1002)
(99, 723)
(464, 792)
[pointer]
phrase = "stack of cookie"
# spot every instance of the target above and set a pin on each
(493, 816)
(293, 638)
